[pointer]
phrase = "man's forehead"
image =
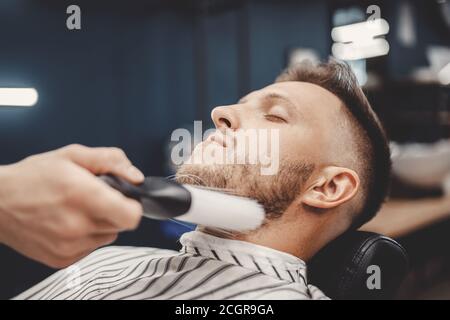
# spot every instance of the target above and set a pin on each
(295, 90)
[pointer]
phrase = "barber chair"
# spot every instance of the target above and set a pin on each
(347, 268)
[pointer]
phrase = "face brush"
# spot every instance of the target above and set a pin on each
(163, 199)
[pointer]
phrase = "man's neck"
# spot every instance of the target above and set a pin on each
(278, 235)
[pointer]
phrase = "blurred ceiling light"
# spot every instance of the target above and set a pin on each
(360, 40)
(405, 28)
(444, 75)
(18, 97)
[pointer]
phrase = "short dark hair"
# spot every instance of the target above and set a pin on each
(370, 137)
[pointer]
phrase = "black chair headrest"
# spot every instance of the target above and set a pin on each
(359, 265)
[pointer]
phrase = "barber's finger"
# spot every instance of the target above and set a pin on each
(92, 243)
(84, 247)
(127, 215)
(109, 205)
(102, 226)
(99, 202)
(88, 244)
(103, 160)
(81, 225)
(102, 240)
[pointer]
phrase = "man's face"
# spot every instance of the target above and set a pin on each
(305, 119)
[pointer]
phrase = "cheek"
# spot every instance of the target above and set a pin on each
(299, 143)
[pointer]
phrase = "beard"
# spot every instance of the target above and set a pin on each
(274, 192)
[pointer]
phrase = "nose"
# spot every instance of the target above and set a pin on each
(225, 118)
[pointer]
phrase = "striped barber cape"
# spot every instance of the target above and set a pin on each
(207, 267)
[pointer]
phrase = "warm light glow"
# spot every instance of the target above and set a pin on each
(18, 97)
(444, 75)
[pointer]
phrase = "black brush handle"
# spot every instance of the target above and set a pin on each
(160, 198)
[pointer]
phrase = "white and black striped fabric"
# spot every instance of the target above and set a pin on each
(206, 267)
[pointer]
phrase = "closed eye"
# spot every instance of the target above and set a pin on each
(274, 118)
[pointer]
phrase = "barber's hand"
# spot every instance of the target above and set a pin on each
(55, 210)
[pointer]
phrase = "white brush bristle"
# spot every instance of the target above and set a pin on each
(224, 211)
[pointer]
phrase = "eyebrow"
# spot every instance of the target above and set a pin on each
(275, 96)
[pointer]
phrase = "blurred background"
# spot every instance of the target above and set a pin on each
(138, 69)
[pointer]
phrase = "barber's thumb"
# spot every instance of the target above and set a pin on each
(129, 172)
(116, 162)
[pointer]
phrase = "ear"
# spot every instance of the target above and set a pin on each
(333, 187)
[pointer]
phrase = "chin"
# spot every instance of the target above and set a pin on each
(200, 174)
